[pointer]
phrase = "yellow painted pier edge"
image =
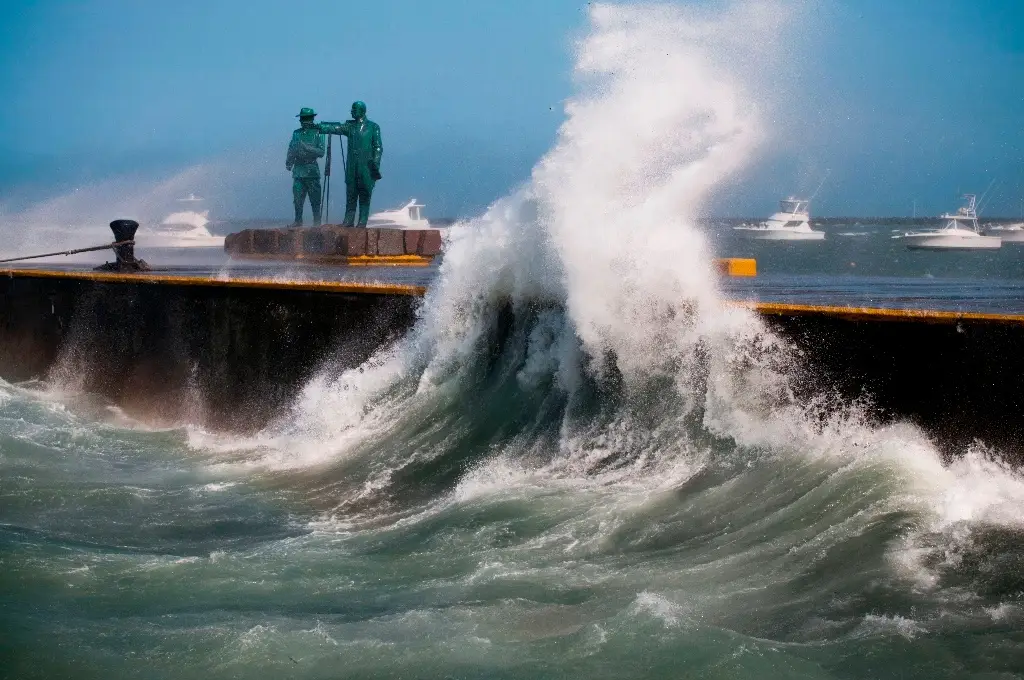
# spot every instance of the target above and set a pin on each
(876, 313)
(184, 280)
(345, 261)
(729, 266)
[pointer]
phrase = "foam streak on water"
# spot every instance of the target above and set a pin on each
(578, 464)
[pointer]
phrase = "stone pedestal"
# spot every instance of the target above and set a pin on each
(338, 245)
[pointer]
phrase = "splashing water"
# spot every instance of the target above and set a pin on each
(81, 216)
(578, 463)
(595, 264)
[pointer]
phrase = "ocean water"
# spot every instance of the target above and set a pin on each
(581, 462)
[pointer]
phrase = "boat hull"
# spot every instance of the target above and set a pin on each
(782, 235)
(171, 241)
(951, 242)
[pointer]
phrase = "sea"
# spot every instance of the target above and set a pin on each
(625, 488)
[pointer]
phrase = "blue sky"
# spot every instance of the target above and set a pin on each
(905, 99)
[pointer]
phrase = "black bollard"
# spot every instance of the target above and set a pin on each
(124, 230)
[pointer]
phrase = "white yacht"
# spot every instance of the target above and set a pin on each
(407, 216)
(791, 223)
(1007, 233)
(182, 229)
(960, 232)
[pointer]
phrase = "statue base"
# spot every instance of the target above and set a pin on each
(333, 244)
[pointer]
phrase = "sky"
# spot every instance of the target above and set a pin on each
(903, 103)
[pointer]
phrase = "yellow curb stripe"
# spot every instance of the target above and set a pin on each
(765, 308)
(346, 261)
(163, 279)
(876, 314)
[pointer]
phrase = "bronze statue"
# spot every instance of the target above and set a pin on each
(363, 167)
(306, 147)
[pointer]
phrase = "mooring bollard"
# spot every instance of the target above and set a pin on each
(124, 230)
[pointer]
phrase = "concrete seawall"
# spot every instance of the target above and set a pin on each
(957, 375)
(228, 355)
(232, 354)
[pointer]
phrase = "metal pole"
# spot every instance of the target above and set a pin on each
(71, 252)
(326, 196)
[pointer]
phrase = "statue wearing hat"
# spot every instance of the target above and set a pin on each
(363, 167)
(306, 147)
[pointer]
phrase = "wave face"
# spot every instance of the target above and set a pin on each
(578, 463)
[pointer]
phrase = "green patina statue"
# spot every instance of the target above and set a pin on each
(306, 147)
(363, 167)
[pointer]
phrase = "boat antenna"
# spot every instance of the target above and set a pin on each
(820, 185)
(982, 201)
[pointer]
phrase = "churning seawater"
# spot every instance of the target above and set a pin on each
(579, 463)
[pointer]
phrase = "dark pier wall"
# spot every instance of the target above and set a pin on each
(959, 377)
(232, 354)
(229, 356)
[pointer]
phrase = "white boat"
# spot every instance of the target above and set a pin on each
(182, 229)
(1007, 233)
(791, 223)
(407, 216)
(960, 232)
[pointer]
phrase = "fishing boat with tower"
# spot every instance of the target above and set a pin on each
(960, 232)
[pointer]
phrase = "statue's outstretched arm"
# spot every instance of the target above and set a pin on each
(334, 128)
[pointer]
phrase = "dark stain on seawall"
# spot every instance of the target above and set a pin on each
(225, 354)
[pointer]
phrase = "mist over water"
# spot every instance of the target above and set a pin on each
(578, 463)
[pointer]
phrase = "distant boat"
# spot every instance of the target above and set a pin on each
(790, 223)
(183, 229)
(1007, 233)
(407, 216)
(961, 232)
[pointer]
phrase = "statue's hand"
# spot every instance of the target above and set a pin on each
(288, 167)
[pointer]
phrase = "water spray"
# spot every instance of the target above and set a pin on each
(123, 247)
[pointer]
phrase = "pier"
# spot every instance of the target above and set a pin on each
(227, 354)
(232, 353)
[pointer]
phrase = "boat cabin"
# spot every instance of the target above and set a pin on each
(794, 206)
